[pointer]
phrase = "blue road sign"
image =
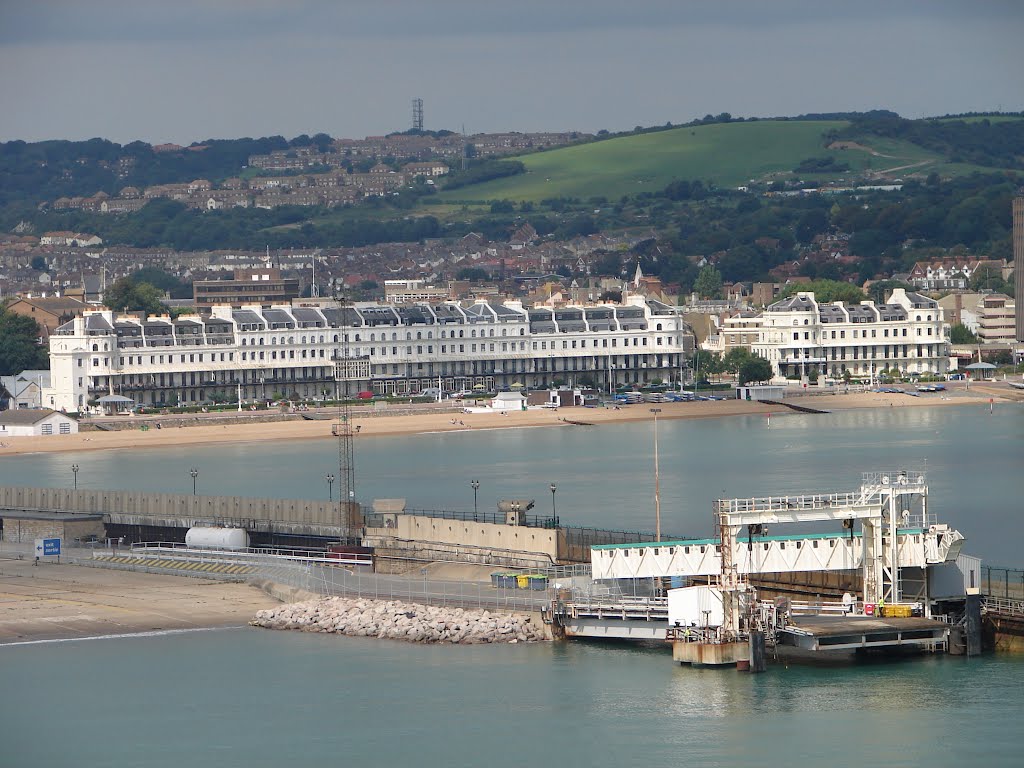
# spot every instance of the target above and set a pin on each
(51, 547)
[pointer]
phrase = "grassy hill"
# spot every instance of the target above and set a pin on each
(727, 154)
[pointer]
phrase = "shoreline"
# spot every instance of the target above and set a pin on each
(426, 423)
(62, 602)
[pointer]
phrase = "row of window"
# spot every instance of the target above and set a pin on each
(65, 428)
(863, 334)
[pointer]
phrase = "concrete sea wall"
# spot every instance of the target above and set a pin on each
(412, 622)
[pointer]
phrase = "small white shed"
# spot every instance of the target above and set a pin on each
(760, 392)
(509, 401)
(36, 422)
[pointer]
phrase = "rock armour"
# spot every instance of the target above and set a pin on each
(402, 621)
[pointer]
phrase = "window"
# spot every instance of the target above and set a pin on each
(47, 429)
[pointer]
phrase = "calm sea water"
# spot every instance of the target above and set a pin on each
(604, 475)
(251, 697)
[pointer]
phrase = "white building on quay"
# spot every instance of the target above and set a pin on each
(253, 354)
(908, 334)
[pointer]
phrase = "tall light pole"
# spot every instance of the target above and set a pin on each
(330, 487)
(195, 473)
(74, 469)
(554, 513)
(475, 485)
(657, 478)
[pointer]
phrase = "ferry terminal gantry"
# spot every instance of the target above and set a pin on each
(898, 544)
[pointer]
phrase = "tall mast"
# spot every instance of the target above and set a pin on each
(348, 509)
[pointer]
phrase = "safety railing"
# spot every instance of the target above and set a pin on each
(1002, 582)
(1004, 606)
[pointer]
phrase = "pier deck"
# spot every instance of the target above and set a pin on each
(823, 633)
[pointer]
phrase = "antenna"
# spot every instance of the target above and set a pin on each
(417, 114)
(348, 509)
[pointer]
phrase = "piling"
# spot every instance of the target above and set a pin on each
(757, 654)
(972, 628)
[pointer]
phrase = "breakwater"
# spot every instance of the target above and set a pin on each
(411, 622)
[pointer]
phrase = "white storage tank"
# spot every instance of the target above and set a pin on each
(217, 538)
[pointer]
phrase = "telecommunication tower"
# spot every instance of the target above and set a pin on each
(344, 366)
(417, 114)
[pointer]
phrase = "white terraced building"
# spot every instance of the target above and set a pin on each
(908, 333)
(252, 354)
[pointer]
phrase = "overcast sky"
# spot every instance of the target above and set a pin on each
(186, 70)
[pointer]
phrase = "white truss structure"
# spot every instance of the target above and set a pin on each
(893, 535)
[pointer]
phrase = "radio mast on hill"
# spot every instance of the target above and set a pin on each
(417, 114)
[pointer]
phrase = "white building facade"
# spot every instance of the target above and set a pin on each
(253, 354)
(907, 334)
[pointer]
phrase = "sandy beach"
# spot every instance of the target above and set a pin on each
(62, 601)
(370, 425)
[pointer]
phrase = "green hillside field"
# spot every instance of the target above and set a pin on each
(725, 154)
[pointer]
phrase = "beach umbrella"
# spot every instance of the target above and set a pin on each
(479, 386)
(515, 385)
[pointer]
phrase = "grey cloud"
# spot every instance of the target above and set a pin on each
(255, 20)
(234, 68)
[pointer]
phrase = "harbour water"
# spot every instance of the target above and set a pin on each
(604, 475)
(249, 697)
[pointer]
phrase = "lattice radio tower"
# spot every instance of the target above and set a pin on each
(348, 508)
(417, 114)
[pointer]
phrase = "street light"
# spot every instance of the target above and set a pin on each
(195, 473)
(554, 514)
(74, 469)
(330, 487)
(475, 485)
(657, 489)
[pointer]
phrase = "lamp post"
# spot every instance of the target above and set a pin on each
(330, 487)
(74, 469)
(195, 473)
(554, 513)
(657, 489)
(475, 485)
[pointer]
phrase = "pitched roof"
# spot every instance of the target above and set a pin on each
(27, 416)
(55, 304)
